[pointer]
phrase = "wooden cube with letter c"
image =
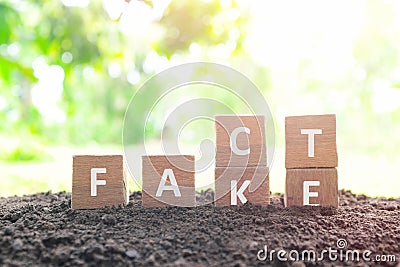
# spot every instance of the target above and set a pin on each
(98, 181)
(168, 181)
(240, 141)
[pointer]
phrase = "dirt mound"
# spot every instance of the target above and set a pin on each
(41, 229)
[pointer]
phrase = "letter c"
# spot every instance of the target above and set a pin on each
(234, 134)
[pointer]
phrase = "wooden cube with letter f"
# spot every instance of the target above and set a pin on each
(98, 181)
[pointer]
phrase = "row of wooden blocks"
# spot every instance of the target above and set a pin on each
(241, 172)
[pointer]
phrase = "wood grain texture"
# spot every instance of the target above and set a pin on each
(224, 125)
(184, 170)
(327, 191)
(114, 193)
(257, 192)
(325, 152)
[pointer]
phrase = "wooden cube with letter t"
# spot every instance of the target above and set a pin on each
(311, 161)
(168, 181)
(98, 181)
(311, 141)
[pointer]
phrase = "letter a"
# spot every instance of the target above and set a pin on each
(174, 186)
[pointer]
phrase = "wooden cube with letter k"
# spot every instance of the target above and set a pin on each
(235, 186)
(98, 181)
(241, 172)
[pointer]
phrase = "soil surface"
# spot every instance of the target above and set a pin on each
(41, 229)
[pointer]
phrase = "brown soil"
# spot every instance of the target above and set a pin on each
(41, 229)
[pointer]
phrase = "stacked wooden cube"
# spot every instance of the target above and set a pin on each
(241, 172)
(311, 161)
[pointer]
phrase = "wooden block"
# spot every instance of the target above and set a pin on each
(240, 141)
(256, 192)
(178, 168)
(298, 181)
(302, 132)
(98, 181)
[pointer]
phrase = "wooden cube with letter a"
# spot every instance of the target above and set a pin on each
(240, 140)
(312, 186)
(98, 181)
(311, 141)
(238, 185)
(168, 181)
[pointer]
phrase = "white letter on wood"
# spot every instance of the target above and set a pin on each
(311, 133)
(174, 186)
(234, 134)
(94, 182)
(307, 194)
(238, 193)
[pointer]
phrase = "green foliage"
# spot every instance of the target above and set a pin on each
(25, 152)
(9, 18)
(85, 42)
(204, 23)
(99, 60)
(97, 54)
(20, 185)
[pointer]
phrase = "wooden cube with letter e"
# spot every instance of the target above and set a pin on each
(98, 181)
(311, 160)
(168, 181)
(312, 187)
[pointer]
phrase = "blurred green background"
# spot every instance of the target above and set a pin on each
(69, 68)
